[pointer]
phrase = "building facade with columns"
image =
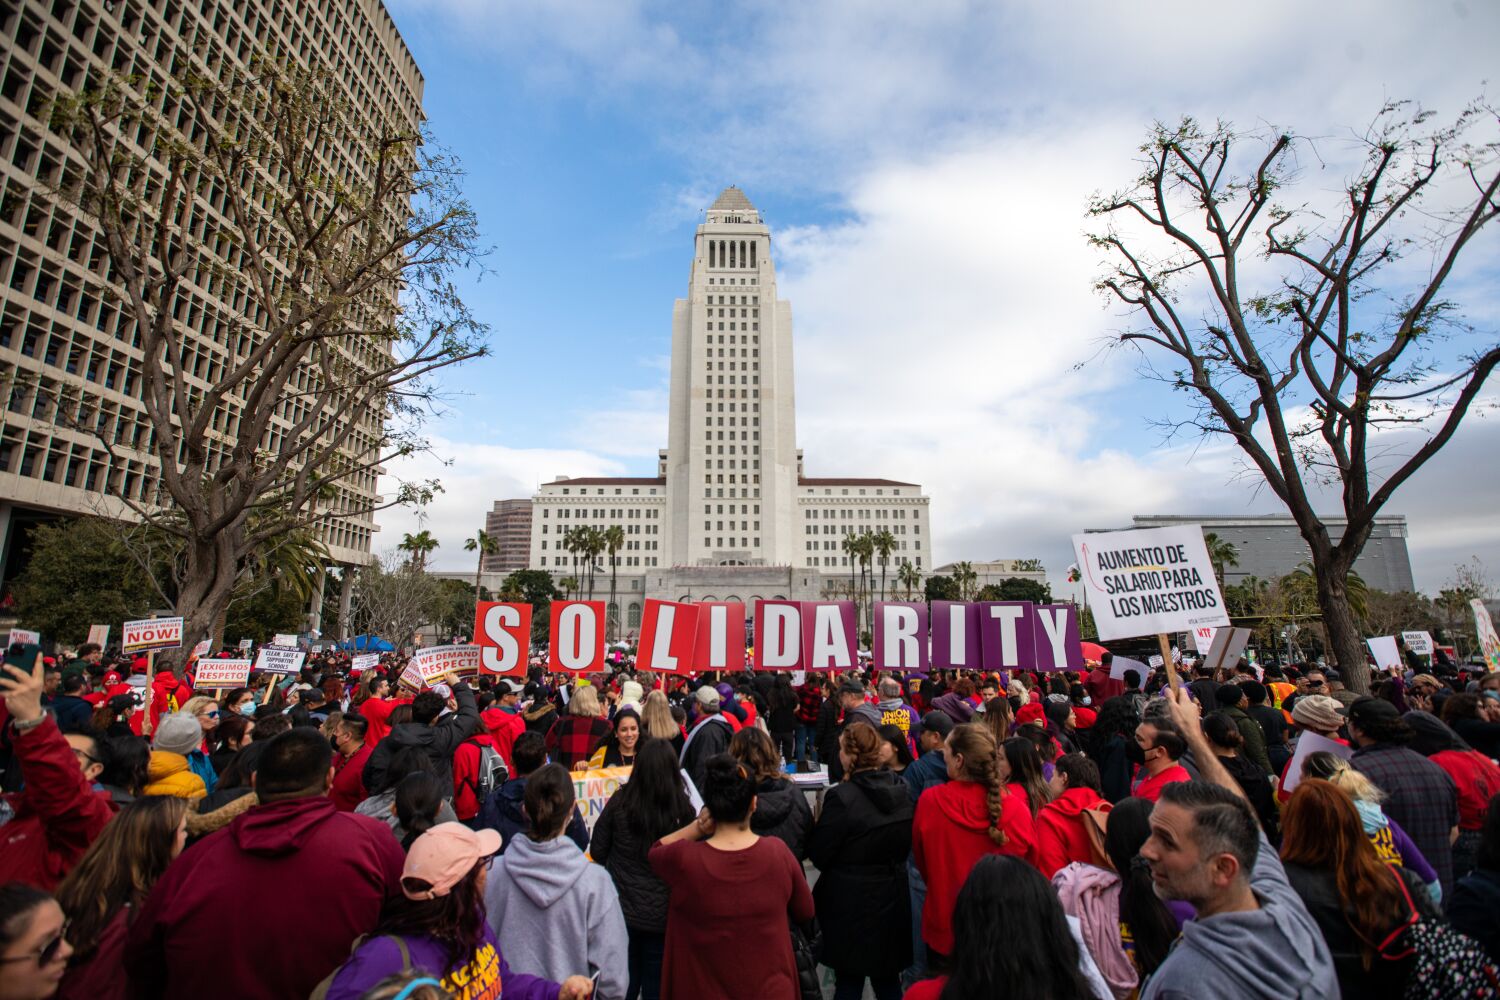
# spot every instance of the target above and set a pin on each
(731, 513)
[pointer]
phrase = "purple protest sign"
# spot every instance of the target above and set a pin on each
(955, 635)
(1005, 634)
(900, 635)
(1056, 637)
(829, 636)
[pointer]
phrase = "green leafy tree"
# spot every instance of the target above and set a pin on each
(80, 574)
(1304, 325)
(941, 588)
(1013, 588)
(264, 614)
(534, 587)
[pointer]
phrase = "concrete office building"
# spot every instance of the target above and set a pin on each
(1269, 546)
(63, 326)
(509, 523)
(730, 513)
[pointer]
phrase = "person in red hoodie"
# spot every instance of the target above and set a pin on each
(958, 823)
(1061, 834)
(503, 719)
(1100, 686)
(467, 759)
(348, 739)
(251, 879)
(168, 694)
(58, 814)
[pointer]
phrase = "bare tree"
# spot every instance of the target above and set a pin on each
(1318, 339)
(393, 599)
(331, 236)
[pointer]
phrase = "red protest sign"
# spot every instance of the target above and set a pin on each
(502, 631)
(778, 635)
(720, 644)
(669, 632)
(577, 641)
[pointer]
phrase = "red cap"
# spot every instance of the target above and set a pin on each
(1031, 714)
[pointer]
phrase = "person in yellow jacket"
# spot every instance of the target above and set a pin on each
(169, 772)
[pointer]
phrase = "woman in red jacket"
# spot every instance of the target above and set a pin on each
(958, 823)
(1061, 834)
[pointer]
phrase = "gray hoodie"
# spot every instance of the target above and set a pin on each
(557, 914)
(1273, 953)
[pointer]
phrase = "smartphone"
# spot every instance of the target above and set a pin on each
(23, 655)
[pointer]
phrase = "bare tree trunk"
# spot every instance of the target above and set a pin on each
(1344, 644)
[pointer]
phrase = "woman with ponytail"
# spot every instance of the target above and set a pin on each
(958, 823)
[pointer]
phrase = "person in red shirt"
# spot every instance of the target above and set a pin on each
(1100, 686)
(466, 776)
(168, 694)
(348, 739)
(1159, 749)
(958, 823)
(377, 708)
(1062, 836)
(503, 719)
(1477, 778)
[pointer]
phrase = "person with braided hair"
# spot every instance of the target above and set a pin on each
(958, 823)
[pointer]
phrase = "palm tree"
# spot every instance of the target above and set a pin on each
(570, 542)
(1221, 554)
(909, 577)
(569, 584)
(485, 544)
(884, 544)
(849, 545)
(418, 546)
(864, 549)
(614, 540)
(965, 577)
(590, 545)
(1075, 575)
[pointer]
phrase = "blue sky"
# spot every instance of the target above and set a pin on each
(924, 168)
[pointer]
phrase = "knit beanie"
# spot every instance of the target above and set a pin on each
(179, 733)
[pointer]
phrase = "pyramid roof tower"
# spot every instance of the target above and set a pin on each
(731, 199)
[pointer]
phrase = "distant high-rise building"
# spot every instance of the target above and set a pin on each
(730, 514)
(65, 328)
(509, 523)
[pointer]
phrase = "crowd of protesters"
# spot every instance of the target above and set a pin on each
(942, 834)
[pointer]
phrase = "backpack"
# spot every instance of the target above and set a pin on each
(320, 991)
(492, 772)
(1445, 965)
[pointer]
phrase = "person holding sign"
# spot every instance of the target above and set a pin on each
(424, 732)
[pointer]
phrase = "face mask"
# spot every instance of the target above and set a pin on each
(1087, 700)
(1134, 752)
(247, 709)
(333, 741)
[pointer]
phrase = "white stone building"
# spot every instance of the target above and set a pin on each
(730, 514)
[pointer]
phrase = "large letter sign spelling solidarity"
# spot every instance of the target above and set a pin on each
(577, 636)
(778, 635)
(721, 636)
(669, 632)
(503, 633)
(900, 636)
(1151, 580)
(829, 636)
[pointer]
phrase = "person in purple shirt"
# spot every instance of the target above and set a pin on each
(438, 926)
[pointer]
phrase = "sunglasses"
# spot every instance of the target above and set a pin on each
(46, 955)
(1314, 684)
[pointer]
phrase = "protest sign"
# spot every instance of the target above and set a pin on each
(24, 636)
(1201, 638)
(202, 648)
(1058, 646)
(778, 635)
(1149, 581)
(279, 660)
(900, 635)
(221, 674)
(247, 644)
(99, 635)
(1418, 642)
(1227, 645)
(829, 635)
(1120, 664)
(502, 631)
(364, 661)
(411, 677)
(151, 633)
(1484, 631)
(577, 636)
(1007, 634)
(435, 662)
(955, 635)
(720, 642)
(1383, 649)
(592, 790)
(284, 639)
(1309, 743)
(669, 631)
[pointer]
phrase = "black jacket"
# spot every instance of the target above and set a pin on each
(1114, 767)
(712, 739)
(440, 741)
(1256, 785)
(781, 810)
(74, 715)
(1474, 908)
(616, 846)
(501, 812)
(860, 845)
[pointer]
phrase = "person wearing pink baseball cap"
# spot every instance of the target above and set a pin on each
(437, 926)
